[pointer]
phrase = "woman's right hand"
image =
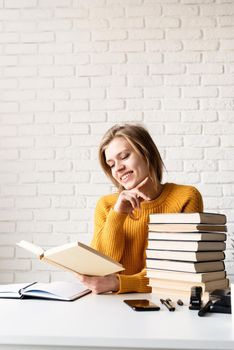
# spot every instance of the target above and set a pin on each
(100, 284)
(129, 200)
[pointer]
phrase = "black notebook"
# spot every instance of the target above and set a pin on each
(64, 291)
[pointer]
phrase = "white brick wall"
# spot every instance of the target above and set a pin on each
(69, 69)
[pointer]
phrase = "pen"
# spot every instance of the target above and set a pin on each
(168, 304)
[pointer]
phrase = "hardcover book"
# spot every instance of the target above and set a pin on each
(186, 286)
(188, 236)
(75, 257)
(184, 256)
(186, 245)
(193, 218)
(185, 276)
(186, 228)
(185, 266)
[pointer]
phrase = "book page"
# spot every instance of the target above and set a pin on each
(33, 248)
(59, 290)
(60, 248)
(11, 290)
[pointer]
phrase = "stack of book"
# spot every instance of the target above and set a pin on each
(186, 250)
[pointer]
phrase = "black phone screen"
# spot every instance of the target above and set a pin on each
(142, 305)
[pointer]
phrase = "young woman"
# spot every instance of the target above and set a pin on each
(130, 158)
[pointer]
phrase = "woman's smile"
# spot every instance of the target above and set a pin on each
(126, 176)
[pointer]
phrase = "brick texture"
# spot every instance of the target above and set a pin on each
(70, 69)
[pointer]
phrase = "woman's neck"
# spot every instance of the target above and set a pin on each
(152, 191)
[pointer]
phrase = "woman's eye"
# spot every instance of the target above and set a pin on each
(124, 156)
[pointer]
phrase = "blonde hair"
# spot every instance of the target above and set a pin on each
(140, 139)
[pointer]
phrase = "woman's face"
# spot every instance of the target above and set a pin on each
(127, 166)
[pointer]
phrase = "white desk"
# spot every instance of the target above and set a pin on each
(105, 322)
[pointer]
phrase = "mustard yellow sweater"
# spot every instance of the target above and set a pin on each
(124, 237)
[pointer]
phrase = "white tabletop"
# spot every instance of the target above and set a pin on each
(105, 321)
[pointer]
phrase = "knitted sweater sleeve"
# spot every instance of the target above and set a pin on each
(194, 202)
(108, 235)
(134, 283)
(109, 238)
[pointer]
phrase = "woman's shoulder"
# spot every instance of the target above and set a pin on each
(183, 193)
(178, 188)
(107, 201)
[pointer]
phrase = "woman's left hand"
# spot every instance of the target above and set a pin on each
(99, 284)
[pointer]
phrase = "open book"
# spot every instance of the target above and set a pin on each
(65, 291)
(75, 257)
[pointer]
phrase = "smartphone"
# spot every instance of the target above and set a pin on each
(142, 305)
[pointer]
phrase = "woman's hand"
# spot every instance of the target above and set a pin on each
(98, 284)
(129, 200)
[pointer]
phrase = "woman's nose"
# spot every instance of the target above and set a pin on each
(119, 166)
